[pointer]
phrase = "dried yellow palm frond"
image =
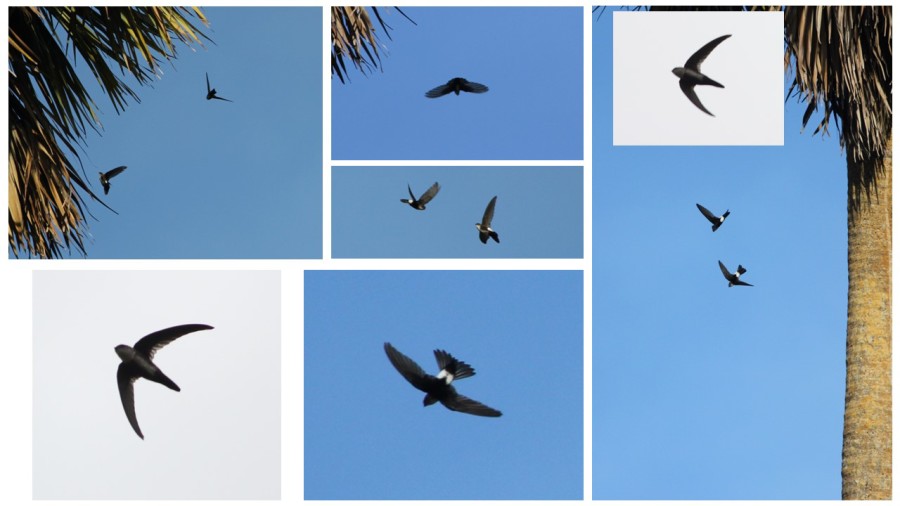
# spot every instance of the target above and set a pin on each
(353, 36)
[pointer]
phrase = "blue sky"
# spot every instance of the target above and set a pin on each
(367, 435)
(538, 214)
(701, 391)
(212, 179)
(530, 58)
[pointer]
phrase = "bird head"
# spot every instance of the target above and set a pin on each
(125, 352)
(678, 71)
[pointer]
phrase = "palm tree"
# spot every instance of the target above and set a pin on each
(50, 110)
(841, 60)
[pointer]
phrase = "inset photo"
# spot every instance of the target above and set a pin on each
(701, 78)
(457, 212)
(443, 385)
(457, 83)
(157, 385)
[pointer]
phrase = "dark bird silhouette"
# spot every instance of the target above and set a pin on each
(484, 228)
(691, 76)
(734, 278)
(424, 199)
(137, 362)
(456, 85)
(438, 388)
(105, 177)
(716, 221)
(211, 92)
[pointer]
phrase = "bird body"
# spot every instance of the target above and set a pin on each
(734, 278)
(137, 362)
(484, 228)
(716, 221)
(106, 176)
(690, 75)
(456, 85)
(424, 199)
(439, 388)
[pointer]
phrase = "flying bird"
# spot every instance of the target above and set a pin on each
(456, 85)
(716, 221)
(438, 388)
(691, 76)
(105, 177)
(424, 199)
(137, 362)
(484, 228)
(734, 278)
(211, 92)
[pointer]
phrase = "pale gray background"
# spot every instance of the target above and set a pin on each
(648, 105)
(219, 438)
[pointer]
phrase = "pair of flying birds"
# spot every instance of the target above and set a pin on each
(484, 228)
(106, 176)
(734, 278)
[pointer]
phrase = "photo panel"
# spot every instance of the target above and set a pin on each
(701, 78)
(445, 212)
(219, 156)
(705, 388)
(373, 341)
(207, 425)
(464, 83)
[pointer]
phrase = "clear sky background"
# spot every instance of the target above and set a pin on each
(212, 179)
(367, 435)
(651, 109)
(701, 391)
(539, 212)
(218, 438)
(530, 58)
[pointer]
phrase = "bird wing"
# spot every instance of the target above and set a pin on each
(105, 187)
(125, 376)
(429, 193)
(688, 90)
(739, 282)
(208, 89)
(115, 172)
(472, 87)
(489, 213)
(150, 343)
(709, 216)
(220, 98)
(724, 271)
(463, 404)
(697, 58)
(411, 196)
(408, 369)
(439, 91)
(457, 368)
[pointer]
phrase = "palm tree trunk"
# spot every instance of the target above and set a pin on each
(866, 460)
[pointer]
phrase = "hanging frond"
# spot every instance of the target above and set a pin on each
(353, 36)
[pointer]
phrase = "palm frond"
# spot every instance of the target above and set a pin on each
(50, 110)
